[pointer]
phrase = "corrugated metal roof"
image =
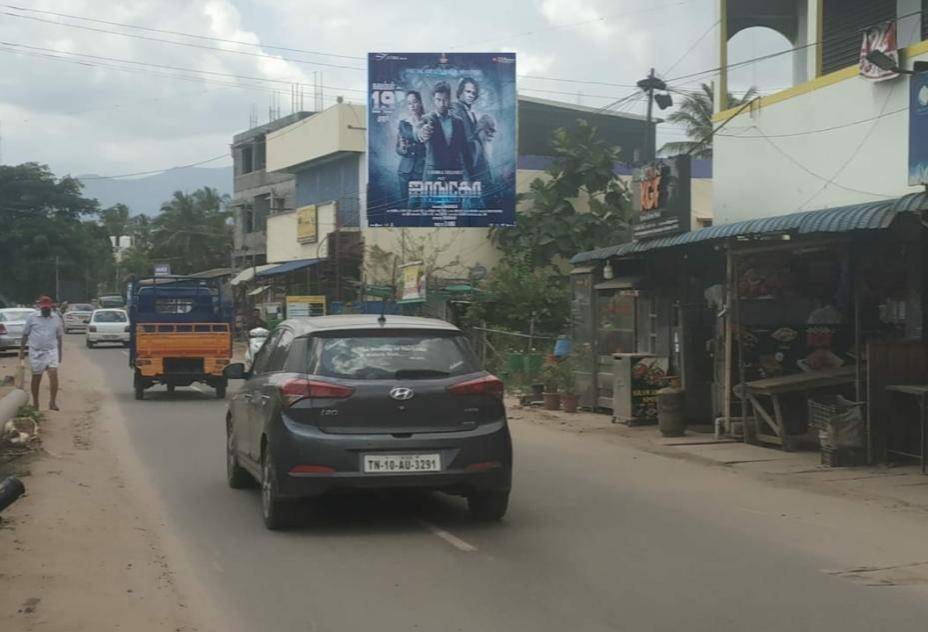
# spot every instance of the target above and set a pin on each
(869, 216)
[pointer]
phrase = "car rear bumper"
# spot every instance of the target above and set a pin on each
(75, 326)
(488, 446)
(10, 342)
(103, 337)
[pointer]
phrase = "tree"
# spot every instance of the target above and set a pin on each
(115, 220)
(530, 283)
(44, 222)
(549, 229)
(695, 114)
(192, 232)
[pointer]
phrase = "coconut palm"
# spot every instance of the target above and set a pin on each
(192, 231)
(695, 115)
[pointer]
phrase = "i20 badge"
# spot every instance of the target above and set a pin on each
(401, 393)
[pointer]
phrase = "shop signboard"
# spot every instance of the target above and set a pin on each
(918, 129)
(648, 376)
(304, 306)
(413, 281)
(441, 139)
(307, 226)
(661, 198)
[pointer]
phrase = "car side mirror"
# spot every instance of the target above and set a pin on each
(235, 371)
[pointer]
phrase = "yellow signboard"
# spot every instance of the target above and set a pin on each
(307, 226)
(303, 306)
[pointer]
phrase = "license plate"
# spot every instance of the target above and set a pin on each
(400, 463)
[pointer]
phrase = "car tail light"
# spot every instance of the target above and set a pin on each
(2, 328)
(92, 329)
(489, 385)
(483, 466)
(128, 328)
(298, 389)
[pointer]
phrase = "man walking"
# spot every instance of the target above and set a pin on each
(42, 334)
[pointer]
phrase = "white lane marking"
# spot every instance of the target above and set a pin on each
(125, 353)
(200, 388)
(449, 537)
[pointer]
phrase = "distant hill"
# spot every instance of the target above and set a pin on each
(145, 195)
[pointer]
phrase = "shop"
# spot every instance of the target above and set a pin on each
(757, 319)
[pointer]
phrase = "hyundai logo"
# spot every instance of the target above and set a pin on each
(401, 393)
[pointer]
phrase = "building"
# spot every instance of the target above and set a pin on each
(256, 192)
(831, 139)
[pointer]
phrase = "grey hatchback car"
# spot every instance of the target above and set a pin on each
(341, 403)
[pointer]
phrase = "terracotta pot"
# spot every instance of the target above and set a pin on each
(569, 403)
(552, 401)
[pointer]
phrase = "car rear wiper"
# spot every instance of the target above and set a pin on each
(414, 373)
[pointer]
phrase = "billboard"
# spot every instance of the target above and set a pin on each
(441, 139)
(918, 129)
(661, 198)
(307, 224)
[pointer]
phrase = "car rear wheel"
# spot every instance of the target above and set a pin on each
(171, 388)
(89, 344)
(236, 475)
(221, 390)
(488, 506)
(277, 513)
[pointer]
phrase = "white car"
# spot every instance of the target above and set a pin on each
(108, 326)
(12, 321)
(77, 316)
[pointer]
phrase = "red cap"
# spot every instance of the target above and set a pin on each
(45, 301)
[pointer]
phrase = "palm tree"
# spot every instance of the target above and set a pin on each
(192, 231)
(695, 115)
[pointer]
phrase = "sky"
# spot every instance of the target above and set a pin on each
(87, 95)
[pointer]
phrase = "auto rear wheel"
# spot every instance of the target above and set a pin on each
(236, 475)
(139, 385)
(171, 388)
(277, 513)
(89, 344)
(488, 506)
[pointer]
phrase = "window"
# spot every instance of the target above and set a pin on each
(392, 355)
(843, 24)
(248, 220)
(248, 159)
(278, 204)
(260, 155)
(174, 305)
(14, 315)
(261, 359)
(616, 319)
(110, 317)
(280, 352)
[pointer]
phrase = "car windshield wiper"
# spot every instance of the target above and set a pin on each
(414, 373)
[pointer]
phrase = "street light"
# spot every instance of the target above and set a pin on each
(884, 62)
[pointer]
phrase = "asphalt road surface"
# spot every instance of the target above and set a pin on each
(598, 537)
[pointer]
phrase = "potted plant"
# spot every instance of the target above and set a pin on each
(550, 376)
(569, 397)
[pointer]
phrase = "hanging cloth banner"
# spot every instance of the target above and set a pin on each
(883, 39)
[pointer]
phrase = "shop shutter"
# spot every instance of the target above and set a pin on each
(844, 23)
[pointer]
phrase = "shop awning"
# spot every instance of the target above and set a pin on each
(289, 266)
(843, 219)
(619, 283)
(249, 273)
(259, 290)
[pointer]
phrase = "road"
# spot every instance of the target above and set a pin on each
(599, 537)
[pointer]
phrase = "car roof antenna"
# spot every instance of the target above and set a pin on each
(382, 319)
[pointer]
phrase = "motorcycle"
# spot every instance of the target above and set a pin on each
(256, 339)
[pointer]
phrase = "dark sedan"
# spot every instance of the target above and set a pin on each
(340, 403)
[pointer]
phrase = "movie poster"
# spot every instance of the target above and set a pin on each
(441, 139)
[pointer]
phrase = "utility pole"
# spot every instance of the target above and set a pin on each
(57, 280)
(649, 84)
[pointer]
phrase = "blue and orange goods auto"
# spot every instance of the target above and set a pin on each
(181, 333)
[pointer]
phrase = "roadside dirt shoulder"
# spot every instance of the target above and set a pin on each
(85, 549)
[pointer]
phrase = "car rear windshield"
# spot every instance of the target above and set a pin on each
(14, 315)
(109, 317)
(392, 355)
(80, 307)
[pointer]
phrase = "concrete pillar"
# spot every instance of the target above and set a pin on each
(807, 61)
(909, 28)
(721, 84)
